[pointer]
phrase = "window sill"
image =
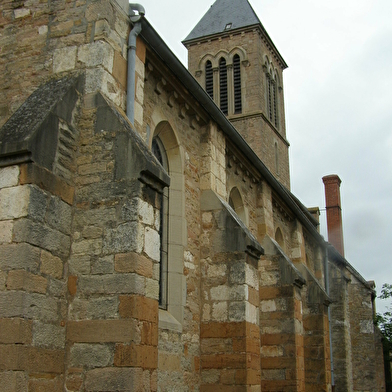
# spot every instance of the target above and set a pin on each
(167, 321)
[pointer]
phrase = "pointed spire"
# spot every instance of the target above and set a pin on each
(224, 15)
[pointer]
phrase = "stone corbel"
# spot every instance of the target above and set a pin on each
(148, 71)
(194, 121)
(183, 110)
(172, 98)
(160, 86)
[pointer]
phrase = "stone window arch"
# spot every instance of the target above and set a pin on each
(173, 233)
(223, 80)
(237, 204)
(279, 238)
(272, 88)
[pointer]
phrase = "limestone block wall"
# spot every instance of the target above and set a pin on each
(113, 275)
(316, 334)
(35, 238)
(363, 354)
(229, 334)
(42, 40)
(190, 143)
(253, 123)
(340, 329)
(281, 322)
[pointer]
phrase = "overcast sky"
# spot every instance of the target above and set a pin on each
(338, 98)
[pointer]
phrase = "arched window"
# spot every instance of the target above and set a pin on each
(223, 98)
(279, 238)
(237, 84)
(159, 152)
(236, 203)
(172, 283)
(272, 100)
(209, 79)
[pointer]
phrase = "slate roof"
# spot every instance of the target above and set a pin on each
(237, 12)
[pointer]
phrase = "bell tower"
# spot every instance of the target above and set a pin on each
(233, 58)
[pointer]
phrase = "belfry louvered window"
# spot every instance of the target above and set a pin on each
(272, 101)
(237, 84)
(223, 102)
(209, 79)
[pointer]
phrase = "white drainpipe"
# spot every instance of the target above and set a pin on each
(137, 28)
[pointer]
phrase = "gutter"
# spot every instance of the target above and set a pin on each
(156, 44)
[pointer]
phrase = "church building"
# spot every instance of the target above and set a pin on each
(149, 240)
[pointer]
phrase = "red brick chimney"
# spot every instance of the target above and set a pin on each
(334, 211)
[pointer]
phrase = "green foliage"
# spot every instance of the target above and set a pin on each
(384, 321)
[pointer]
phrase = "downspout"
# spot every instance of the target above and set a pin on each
(137, 28)
(326, 271)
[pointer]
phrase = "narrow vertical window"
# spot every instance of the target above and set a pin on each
(269, 97)
(274, 104)
(159, 152)
(209, 79)
(223, 104)
(237, 84)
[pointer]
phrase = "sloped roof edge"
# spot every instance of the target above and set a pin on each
(158, 45)
(336, 256)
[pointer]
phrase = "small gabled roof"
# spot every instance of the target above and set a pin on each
(238, 13)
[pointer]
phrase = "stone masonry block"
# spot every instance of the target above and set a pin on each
(139, 307)
(152, 288)
(37, 203)
(6, 231)
(133, 262)
(90, 355)
(48, 335)
(112, 284)
(128, 237)
(59, 215)
(64, 59)
(15, 330)
(41, 235)
(16, 256)
(89, 247)
(220, 311)
(101, 331)
(94, 308)
(98, 79)
(30, 305)
(120, 68)
(145, 357)
(91, 232)
(33, 359)
(103, 265)
(23, 280)
(114, 379)
(97, 53)
(79, 264)
(13, 381)
(152, 243)
(9, 176)
(46, 384)
(14, 202)
(51, 265)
